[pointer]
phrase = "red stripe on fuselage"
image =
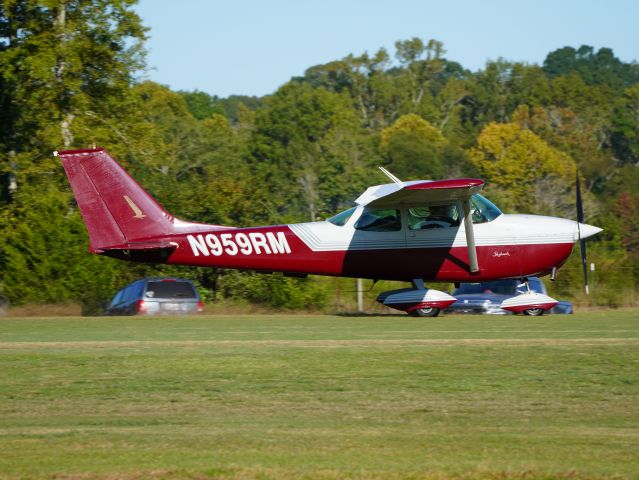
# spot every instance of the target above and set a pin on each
(433, 264)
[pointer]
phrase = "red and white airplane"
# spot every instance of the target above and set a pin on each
(435, 231)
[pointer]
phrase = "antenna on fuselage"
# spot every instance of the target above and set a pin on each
(392, 177)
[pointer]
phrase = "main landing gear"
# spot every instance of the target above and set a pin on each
(418, 301)
(529, 303)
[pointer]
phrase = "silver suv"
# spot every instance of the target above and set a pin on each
(156, 296)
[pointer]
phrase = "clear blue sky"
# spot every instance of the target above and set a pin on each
(251, 47)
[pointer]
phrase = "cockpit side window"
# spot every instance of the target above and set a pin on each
(379, 220)
(483, 210)
(342, 218)
(433, 216)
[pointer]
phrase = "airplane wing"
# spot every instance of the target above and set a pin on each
(420, 192)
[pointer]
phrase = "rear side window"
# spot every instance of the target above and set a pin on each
(170, 290)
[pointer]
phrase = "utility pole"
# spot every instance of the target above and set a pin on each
(360, 295)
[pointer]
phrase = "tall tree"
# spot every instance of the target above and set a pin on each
(66, 66)
(625, 126)
(66, 71)
(413, 148)
(595, 68)
(305, 147)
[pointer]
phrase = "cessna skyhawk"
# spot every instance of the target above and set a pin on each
(414, 231)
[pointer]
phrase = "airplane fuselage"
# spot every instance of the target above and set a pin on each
(508, 246)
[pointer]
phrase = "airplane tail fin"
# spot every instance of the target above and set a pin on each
(118, 213)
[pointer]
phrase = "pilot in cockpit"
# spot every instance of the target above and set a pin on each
(439, 216)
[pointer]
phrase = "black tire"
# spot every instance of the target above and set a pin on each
(534, 312)
(425, 312)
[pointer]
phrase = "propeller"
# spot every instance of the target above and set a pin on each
(582, 241)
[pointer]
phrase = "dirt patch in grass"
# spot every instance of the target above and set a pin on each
(250, 474)
(502, 342)
(49, 310)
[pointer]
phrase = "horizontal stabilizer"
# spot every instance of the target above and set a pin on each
(151, 252)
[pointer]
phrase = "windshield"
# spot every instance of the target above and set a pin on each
(341, 218)
(483, 209)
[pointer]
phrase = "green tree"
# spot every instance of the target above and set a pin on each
(364, 79)
(202, 105)
(383, 90)
(595, 68)
(413, 148)
(584, 136)
(45, 257)
(66, 65)
(625, 125)
(626, 208)
(203, 173)
(305, 147)
(66, 70)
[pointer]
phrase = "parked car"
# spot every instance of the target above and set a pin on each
(486, 297)
(156, 296)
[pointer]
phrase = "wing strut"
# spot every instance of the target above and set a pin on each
(392, 177)
(470, 235)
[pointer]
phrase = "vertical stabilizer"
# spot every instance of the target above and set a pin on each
(115, 208)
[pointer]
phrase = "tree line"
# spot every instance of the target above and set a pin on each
(69, 79)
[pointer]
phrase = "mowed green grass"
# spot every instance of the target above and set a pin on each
(320, 397)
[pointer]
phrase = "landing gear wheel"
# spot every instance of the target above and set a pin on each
(425, 312)
(534, 312)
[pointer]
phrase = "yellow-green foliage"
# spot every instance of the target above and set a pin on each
(414, 125)
(515, 159)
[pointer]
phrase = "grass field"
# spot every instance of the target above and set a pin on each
(327, 397)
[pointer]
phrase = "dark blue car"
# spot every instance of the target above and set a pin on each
(486, 297)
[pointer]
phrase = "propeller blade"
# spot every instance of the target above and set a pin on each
(582, 242)
(580, 205)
